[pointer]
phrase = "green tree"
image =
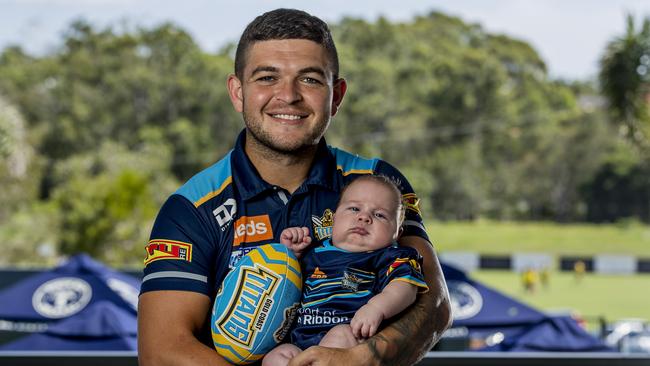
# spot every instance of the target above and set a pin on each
(624, 76)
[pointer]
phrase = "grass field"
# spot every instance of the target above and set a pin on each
(612, 296)
(492, 237)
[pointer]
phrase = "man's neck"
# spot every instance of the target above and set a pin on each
(284, 170)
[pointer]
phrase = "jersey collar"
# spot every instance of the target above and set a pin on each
(250, 184)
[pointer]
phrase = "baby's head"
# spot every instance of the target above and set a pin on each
(369, 214)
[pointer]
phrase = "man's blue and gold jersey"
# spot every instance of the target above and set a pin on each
(338, 282)
(227, 209)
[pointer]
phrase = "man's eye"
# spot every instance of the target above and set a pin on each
(309, 80)
(267, 78)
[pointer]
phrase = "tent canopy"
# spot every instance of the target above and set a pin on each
(67, 290)
(483, 311)
(101, 326)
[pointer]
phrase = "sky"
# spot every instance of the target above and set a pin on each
(570, 35)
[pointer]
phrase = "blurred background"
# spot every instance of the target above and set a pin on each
(524, 127)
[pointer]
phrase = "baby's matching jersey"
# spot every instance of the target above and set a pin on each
(338, 282)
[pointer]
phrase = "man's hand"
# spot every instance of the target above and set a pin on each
(296, 238)
(322, 356)
(366, 321)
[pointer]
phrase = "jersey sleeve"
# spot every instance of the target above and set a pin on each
(400, 264)
(413, 223)
(179, 252)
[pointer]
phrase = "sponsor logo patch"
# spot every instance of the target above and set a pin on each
(159, 249)
(245, 317)
(251, 229)
(323, 224)
(310, 316)
(412, 202)
(318, 274)
(225, 213)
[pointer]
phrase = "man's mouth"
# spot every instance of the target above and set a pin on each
(290, 117)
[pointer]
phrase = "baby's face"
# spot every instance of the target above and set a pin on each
(366, 218)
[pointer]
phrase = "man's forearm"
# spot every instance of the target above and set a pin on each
(406, 340)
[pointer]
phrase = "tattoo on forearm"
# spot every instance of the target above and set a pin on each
(406, 347)
(372, 345)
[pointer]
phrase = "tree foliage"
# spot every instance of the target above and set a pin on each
(116, 118)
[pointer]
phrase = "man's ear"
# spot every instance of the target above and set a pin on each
(339, 89)
(235, 92)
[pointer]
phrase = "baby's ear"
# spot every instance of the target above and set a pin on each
(399, 232)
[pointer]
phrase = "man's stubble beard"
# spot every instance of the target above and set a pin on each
(276, 146)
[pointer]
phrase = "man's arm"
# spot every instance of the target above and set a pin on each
(406, 340)
(169, 323)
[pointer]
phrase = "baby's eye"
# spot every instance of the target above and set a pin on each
(380, 215)
(353, 208)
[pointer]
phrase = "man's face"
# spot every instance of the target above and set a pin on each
(366, 218)
(287, 95)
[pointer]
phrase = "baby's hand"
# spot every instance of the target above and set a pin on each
(296, 238)
(366, 321)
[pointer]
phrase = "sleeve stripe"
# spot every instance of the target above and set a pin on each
(415, 282)
(175, 274)
(205, 198)
(414, 223)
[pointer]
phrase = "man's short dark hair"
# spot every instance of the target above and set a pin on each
(286, 24)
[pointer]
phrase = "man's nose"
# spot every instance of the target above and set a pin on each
(288, 92)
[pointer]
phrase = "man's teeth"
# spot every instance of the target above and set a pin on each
(286, 116)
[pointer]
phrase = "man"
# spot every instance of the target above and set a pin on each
(279, 174)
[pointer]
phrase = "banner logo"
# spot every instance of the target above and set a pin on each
(61, 297)
(466, 300)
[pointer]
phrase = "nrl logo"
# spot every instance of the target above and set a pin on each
(323, 225)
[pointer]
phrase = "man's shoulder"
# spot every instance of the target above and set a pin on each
(208, 183)
(348, 163)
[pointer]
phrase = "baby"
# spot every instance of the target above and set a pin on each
(358, 278)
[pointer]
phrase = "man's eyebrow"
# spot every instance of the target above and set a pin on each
(264, 69)
(316, 70)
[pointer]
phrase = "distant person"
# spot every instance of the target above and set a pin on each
(529, 279)
(579, 269)
(359, 277)
(544, 275)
